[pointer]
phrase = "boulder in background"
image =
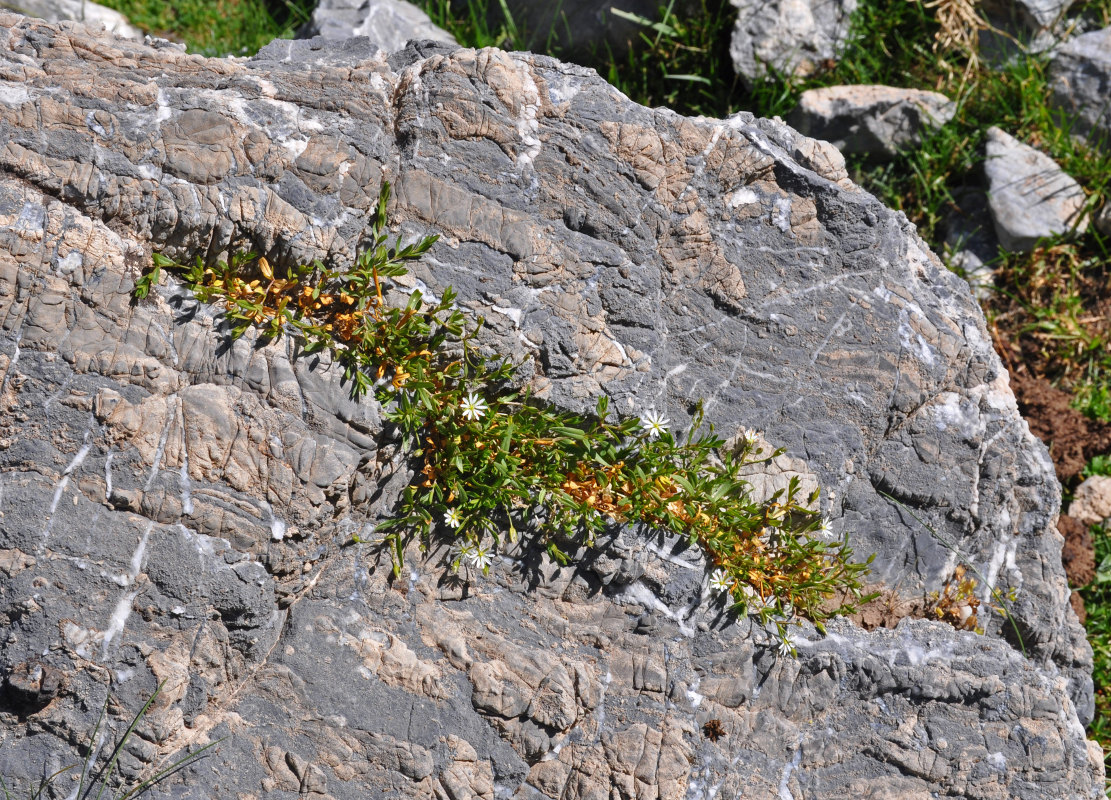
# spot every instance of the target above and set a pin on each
(390, 23)
(1029, 196)
(1080, 77)
(875, 120)
(790, 37)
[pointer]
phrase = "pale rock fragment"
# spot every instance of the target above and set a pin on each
(1030, 197)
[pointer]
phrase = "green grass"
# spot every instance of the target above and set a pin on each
(1097, 601)
(217, 27)
(1100, 465)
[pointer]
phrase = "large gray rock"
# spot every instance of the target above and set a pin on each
(181, 508)
(388, 23)
(1029, 196)
(1080, 77)
(875, 120)
(76, 10)
(789, 37)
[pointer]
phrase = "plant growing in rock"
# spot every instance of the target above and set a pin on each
(490, 458)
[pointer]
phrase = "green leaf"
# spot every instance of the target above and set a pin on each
(658, 27)
(690, 78)
(1103, 573)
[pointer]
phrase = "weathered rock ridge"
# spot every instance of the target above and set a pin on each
(179, 507)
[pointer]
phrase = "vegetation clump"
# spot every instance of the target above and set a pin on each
(490, 459)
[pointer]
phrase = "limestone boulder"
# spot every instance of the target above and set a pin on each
(787, 37)
(389, 23)
(1030, 197)
(877, 121)
(1091, 504)
(184, 509)
(970, 240)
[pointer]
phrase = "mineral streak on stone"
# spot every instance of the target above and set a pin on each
(877, 120)
(206, 536)
(1029, 196)
(1080, 77)
(791, 37)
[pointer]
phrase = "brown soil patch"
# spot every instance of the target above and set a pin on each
(1078, 554)
(1072, 438)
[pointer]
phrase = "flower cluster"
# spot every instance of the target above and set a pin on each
(491, 459)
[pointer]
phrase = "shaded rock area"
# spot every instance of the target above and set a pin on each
(1029, 196)
(970, 239)
(179, 507)
(579, 29)
(389, 23)
(874, 120)
(1102, 222)
(793, 38)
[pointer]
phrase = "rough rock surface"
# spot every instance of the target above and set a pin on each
(388, 23)
(1029, 196)
(181, 508)
(876, 120)
(793, 37)
(76, 10)
(1080, 77)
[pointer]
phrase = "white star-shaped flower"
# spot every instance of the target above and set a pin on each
(720, 581)
(479, 557)
(749, 436)
(785, 647)
(452, 518)
(474, 407)
(825, 531)
(654, 424)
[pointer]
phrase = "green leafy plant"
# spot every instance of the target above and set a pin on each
(1099, 465)
(490, 459)
(93, 783)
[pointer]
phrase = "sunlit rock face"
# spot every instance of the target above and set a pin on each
(179, 507)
